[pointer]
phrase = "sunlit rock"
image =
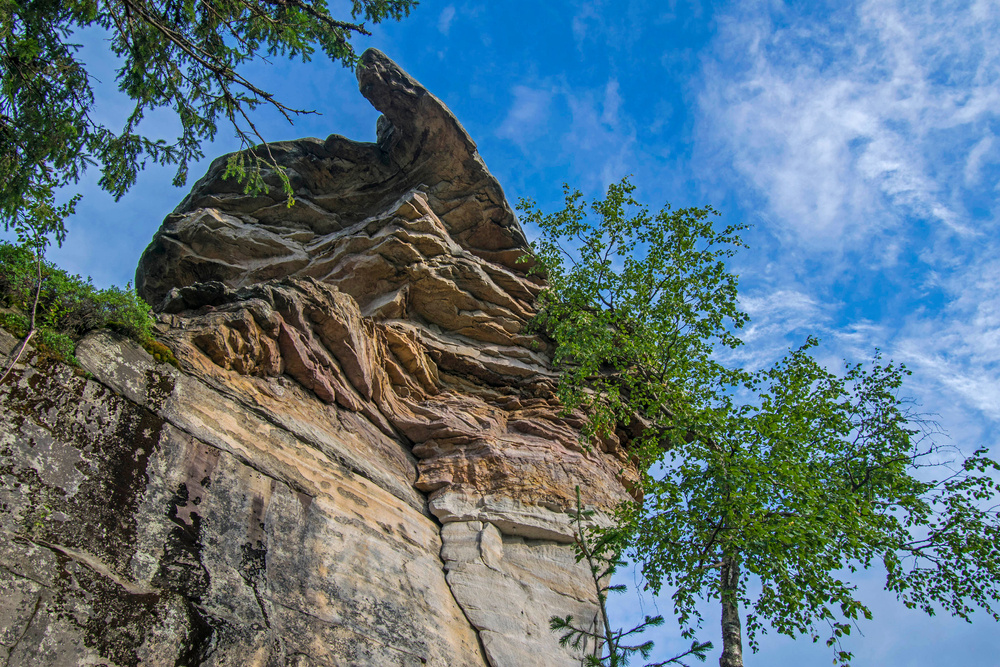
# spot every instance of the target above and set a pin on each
(361, 460)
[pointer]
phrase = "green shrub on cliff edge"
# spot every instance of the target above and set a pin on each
(68, 306)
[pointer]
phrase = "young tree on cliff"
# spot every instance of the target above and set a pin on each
(602, 644)
(188, 57)
(759, 488)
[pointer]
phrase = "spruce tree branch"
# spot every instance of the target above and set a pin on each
(697, 649)
(328, 20)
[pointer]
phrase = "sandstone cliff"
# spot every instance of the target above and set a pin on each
(361, 460)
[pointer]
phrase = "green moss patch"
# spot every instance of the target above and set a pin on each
(68, 307)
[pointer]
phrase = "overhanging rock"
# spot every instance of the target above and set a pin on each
(362, 459)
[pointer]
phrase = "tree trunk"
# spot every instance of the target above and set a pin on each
(732, 632)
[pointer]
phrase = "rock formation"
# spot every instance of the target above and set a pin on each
(361, 460)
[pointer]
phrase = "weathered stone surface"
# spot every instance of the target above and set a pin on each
(132, 535)
(341, 186)
(510, 586)
(362, 460)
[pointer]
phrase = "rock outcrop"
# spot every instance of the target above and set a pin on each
(361, 461)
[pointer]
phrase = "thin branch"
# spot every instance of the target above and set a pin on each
(696, 649)
(15, 357)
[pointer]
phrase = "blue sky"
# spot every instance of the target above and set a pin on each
(859, 138)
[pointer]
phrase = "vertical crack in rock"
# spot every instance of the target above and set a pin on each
(362, 458)
(27, 626)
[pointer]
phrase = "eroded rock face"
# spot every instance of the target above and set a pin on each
(362, 461)
(341, 187)
(150, 519)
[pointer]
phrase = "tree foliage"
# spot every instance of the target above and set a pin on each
(760, 489)
(185, 56)
(57, 308)
(635, 306)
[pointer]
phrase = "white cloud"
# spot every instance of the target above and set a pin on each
(447, 16)
(528, 114)
(792, 308)
(555, 121)
(599, 131)
(845, 131)
(588, 13)
(612, 104)
(978, 156)
(954, 350)
(958, 349)
(779, 319)
(869, 137)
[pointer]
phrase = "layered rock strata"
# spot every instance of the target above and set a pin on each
(362, 460)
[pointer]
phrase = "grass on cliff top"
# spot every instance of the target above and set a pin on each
(68, 307)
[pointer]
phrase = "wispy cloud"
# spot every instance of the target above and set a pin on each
(612, 104)
(779, 319)
(982, 153)
(842, 124)
(867, 135)
(552, 121)
(617, 26)
(528, 115)
(581, 23)
(601, 130)
(784, 310)
(958, 349)
(444, 22)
